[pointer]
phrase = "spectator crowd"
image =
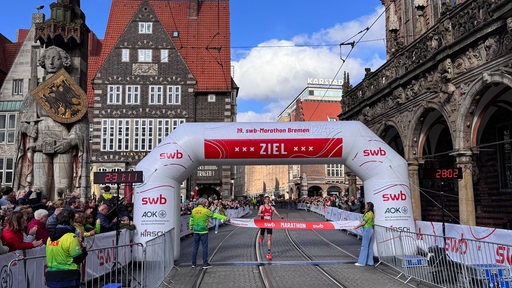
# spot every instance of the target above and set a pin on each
(28, 218)
(345, 202)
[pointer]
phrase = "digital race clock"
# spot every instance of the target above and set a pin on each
(442, 173)
(118, 177)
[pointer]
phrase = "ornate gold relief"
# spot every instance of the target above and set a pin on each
(145, 69)
(61, 98)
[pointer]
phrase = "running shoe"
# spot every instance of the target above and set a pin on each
(358, 264)
(207, 266)
(269, 256)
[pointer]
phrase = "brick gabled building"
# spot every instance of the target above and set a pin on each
(162, 63)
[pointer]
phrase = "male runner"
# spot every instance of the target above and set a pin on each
(265, 212)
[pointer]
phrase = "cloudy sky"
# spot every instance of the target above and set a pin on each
(276, 44)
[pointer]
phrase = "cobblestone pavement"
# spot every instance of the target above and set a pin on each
(235, 263)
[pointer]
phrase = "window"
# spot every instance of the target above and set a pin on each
(143, 135)
(114, 94)
(156, 94)
(334, 170)
(162, 129)
(164, 55)
(6, 170)
(211, 97)
(123, 135)
(136, 135)
(145, 27)
(165, 127)
(7, 128)
(145, 55)
(173, 95)
(133, 94)
(108, 134)
(125, 55)
(176, 123)
(150, 134)
(17, 87)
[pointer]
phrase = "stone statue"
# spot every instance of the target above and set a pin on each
(507, 40)
(51, 153)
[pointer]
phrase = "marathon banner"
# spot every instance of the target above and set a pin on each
(293, 225)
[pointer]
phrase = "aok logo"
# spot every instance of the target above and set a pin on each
(171, 155)
(154, 200)
(401, 196)
(374, 152)
(153, 214)
(396, 210)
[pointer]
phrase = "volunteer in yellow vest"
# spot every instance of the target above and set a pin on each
(199, 226)
(64, 253)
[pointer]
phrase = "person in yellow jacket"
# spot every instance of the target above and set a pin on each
(198, 224)
(64, 253)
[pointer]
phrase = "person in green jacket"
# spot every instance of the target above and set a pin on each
(198, 224)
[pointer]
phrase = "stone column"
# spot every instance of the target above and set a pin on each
(352, 184)
(466, 194)
(414, 185)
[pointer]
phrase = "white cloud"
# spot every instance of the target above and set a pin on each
(276, 71)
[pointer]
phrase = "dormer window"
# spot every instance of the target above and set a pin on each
(145, 28)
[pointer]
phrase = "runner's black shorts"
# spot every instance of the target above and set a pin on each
(262, 231)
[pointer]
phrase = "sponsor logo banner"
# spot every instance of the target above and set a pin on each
(294, 225)
(273, 148)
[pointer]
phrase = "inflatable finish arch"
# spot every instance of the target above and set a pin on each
(383, 171)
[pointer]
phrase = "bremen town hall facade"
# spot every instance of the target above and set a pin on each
(443, 100)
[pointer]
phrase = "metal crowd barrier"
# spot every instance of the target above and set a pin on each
(159, 258)
(445, 261)
(116, 266)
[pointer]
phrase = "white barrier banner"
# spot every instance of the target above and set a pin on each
(105, 256)
(35, 268)
(470, 252)
(17, 270)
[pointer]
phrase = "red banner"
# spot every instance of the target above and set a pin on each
(273, 148)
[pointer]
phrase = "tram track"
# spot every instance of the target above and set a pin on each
(323, 271)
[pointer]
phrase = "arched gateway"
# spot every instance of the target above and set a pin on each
(383, 171)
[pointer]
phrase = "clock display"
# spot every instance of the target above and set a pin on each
(442, 173)
(118, 177)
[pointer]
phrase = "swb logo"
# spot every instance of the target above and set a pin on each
(401, 196)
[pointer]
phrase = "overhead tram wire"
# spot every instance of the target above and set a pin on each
(352, 45)
(300, 45)
(429, 157)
